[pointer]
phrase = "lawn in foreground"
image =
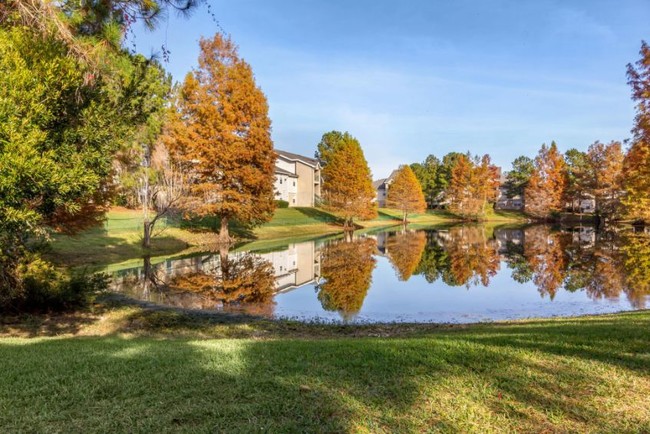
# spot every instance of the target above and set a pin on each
(564, 375)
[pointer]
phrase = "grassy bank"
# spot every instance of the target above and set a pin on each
(119, 239)
(165, 371)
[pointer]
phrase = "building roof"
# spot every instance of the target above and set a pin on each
(376, 184)
(295, 157)
(281, 171)
(392, 175)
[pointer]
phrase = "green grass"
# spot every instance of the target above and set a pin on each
(119, 239)
(174, 373)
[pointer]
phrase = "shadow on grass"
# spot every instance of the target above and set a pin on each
(213, 224)
(320, 215)
(383, 215)
(540, 378)
(99, 250)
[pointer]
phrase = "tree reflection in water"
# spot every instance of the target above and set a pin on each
(460, 255)
(346, 269)
(229, 282)
(404, 250)
(545, 252)
(602, 265)
(245, 279)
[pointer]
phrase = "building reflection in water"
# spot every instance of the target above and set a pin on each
(604, 265)
(231, 281)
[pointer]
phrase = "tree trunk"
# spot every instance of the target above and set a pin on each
(404, 217)
(147, 277)
(224, 237)
(146, 239)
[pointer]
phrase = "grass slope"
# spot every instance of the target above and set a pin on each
(588, 374)
(120, 238)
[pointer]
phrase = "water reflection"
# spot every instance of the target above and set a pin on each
(347, 274)
(391, 275)
(404, 249)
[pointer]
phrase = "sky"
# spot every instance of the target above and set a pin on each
(413, 78)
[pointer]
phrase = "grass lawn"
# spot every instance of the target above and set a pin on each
(119, 239)
(164, 371)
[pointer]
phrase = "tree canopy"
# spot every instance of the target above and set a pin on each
(637, 161)
(222, 136)
(347, 181)
(545, 192)
(405, 193)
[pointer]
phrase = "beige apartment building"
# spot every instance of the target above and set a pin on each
(297, 179)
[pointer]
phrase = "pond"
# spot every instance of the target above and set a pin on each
(453, 274)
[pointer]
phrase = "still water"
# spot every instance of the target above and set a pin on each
(452, 274)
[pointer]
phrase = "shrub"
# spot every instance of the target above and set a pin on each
(281, 204)
(42, 288)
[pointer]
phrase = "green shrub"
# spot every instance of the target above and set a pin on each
(42, 288)
(281, 204)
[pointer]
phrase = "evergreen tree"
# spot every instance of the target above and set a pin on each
(60, 126)
(328, 144)
(427, 175)
(347, 181)
(578, 173)
(405, 193)
(519, 175)
(223, 137)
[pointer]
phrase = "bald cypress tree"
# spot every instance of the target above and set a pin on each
(636, 166)
(405, 193)
(224, 139)
(347, 181)
(545, 192)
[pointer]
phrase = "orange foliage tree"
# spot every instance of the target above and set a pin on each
(222, 135)
(405, 193)
(474, 184)
(544, 193)
(637, 160)
(405, 250)
(347, 268)
(347, 181)
(605, 177)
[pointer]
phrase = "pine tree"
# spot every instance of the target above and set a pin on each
(427, 175)
(224, 139)
(578, 173)
(347, 182)
(405, 193)
(545, 191)
(637, 161)
(519, 175)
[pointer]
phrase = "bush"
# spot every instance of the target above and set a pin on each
(42, 288)
(281, 204)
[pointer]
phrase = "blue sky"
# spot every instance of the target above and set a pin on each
(412, 78)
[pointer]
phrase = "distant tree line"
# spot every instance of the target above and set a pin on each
(615, 179)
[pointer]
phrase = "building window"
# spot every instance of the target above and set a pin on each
(294, 183)
(280, 180)
(294, 200)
